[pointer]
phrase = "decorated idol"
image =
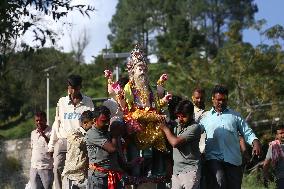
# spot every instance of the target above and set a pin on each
(143, 108)
(142, 104)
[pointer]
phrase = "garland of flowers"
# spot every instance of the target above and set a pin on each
(131, 180)
(142, 121)
(141, 94)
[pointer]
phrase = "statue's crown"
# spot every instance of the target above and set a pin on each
(137, 55)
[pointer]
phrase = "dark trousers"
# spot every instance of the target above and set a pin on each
(203, 174)
(222, 175)
(95, 182)
(280, 183)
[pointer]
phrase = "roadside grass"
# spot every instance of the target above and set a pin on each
(254, 180)
(23, 129)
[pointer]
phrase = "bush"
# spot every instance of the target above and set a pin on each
(254, 180)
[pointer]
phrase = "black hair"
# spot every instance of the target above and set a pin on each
(123, 81)
(184, 107)
(278, 127)
(86, 116)
(101, 110)
(40, 113)
(74, 81)
(172, 104)
(120, 125)
(220, 89)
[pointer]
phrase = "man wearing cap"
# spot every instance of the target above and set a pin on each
(68, 112)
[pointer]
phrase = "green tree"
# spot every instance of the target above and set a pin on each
(94, 84)
(13, 24)
(176, 29)
(246, 70)
(134, 21)
(221, 13)
(17, 17)
(24, 84)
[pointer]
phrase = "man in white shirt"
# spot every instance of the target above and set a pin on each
(198, 98)
(68, 112)
(41, 175)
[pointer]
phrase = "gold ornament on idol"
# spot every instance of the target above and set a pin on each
(144, 96)
(151, 135)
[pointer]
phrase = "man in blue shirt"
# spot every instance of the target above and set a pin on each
(222, 150)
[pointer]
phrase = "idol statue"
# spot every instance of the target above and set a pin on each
(144, 109)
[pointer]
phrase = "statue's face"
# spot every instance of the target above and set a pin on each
(140, 69)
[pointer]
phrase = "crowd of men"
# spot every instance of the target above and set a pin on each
(90, 147)
(222, 152)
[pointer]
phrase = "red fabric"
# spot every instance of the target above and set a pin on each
(113, 176)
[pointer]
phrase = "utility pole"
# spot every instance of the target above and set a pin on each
(47, 98)
(47, 92)
(116, 56)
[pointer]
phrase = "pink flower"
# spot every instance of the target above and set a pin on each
(167, 97)
(164, 77)
(116, 88)
(108, 74)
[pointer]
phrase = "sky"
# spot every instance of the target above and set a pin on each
(272, 12)
(97, 29)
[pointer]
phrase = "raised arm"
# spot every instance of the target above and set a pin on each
(173, 140)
